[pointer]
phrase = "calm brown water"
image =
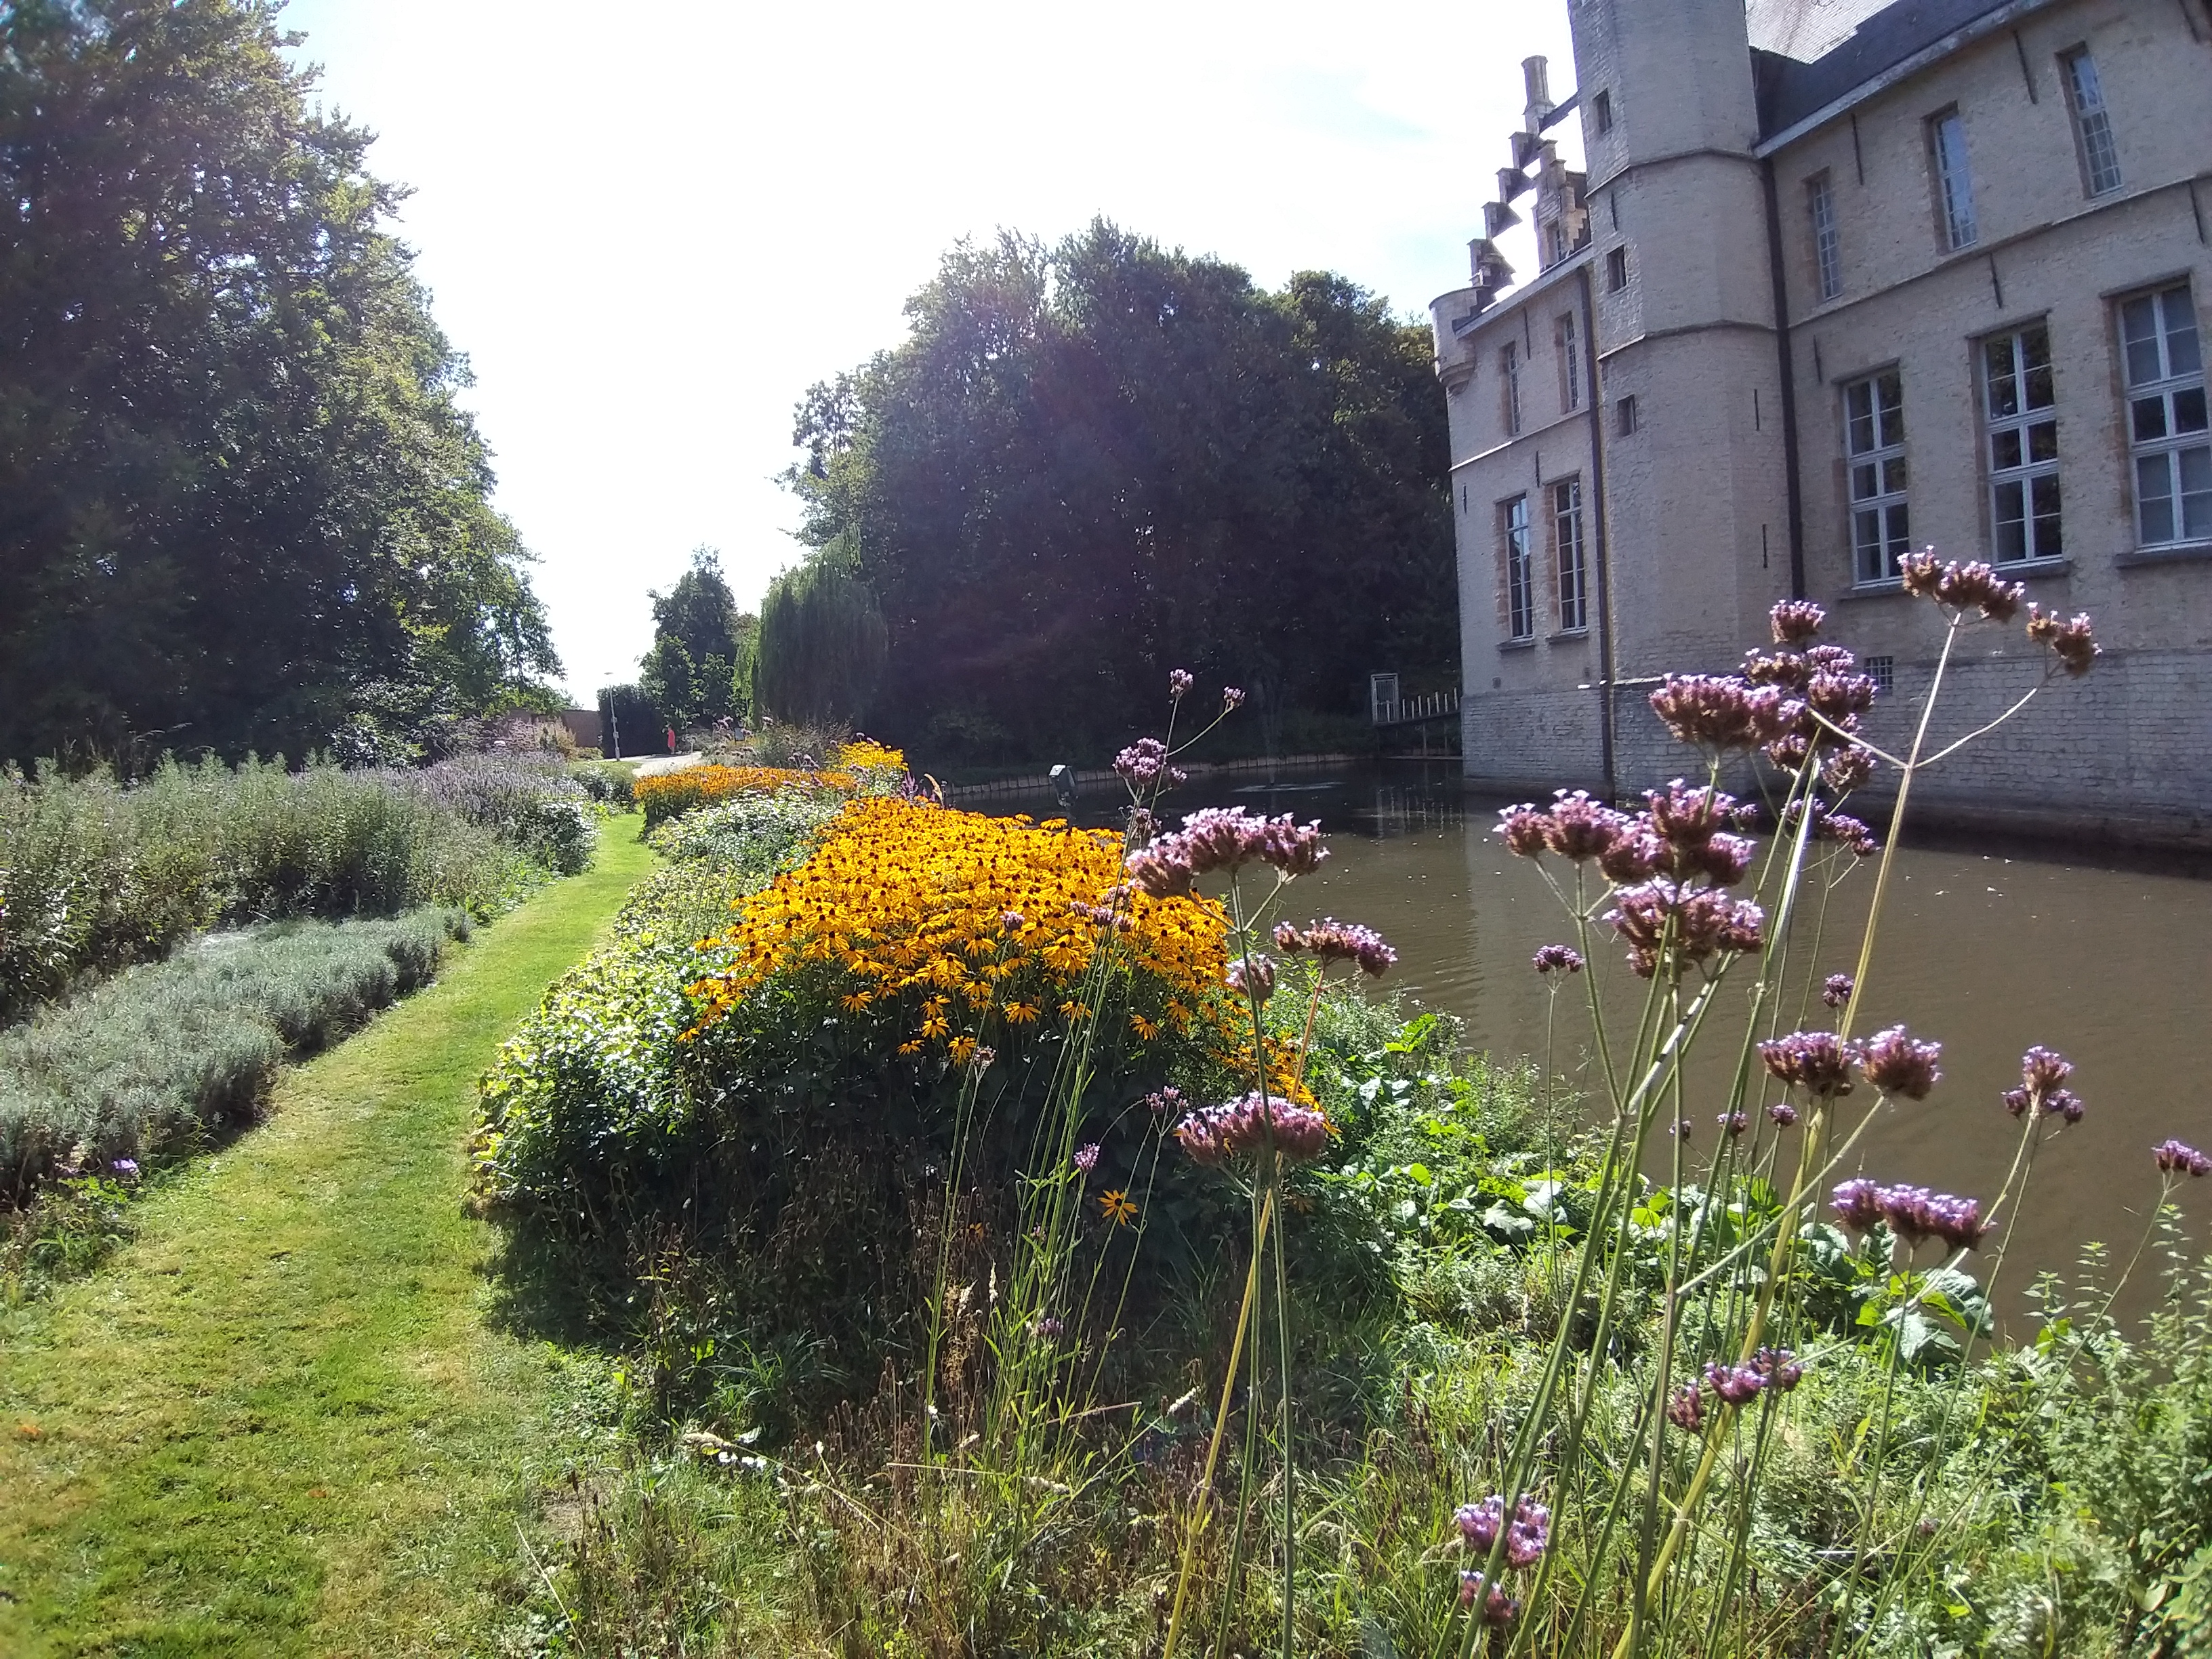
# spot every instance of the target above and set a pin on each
(1988, 953)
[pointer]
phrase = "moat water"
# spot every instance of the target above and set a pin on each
(1988, 950)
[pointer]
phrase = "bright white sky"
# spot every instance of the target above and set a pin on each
(652, 229)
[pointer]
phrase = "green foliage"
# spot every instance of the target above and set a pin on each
(94, 875)
(246, 511)
(151, 1064)
(821, 647)
(609, 783)
(699, 642)
(1093, 462)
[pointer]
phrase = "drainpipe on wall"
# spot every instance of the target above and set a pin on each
(1597, 519)
(1789, 381)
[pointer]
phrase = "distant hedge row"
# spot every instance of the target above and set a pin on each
(95, 875)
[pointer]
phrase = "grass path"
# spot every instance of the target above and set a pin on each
(279, 1422)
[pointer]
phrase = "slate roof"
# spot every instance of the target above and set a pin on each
(1808, 53)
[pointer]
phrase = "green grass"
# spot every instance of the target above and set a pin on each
(281, 1422)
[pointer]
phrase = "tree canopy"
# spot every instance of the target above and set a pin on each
(822, 642)
(1090, 462)
(700, 646)
(240, 506)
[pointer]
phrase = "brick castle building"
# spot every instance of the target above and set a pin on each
(1843, 278)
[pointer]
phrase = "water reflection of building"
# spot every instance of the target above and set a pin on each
(1842, 277)
(1402, 809)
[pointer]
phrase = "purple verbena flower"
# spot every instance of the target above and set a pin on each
(1179, 683)
(1819, 1062)
(1783, 1113)
(1253, 976)
(1248, 1126)
(1559, 959)
(1857, 1203)
(1897, 1063)
(1795, 621)
(1086, 1158)
(1685, 1407)
(1838, 990)
(2178, 1157)
(1736, 1385)
(1497, 1608)
(1329, 940)
(1733, 1123)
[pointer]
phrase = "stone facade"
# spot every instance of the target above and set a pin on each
(1944, 216)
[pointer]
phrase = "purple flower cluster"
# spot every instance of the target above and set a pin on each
(1048, 1330)
(1222, 838)
(1558, 959)
(1253, 976)
(1179, 684)
(1723, 711)
(1795, 621)
(1497, 1608)
(1838, 990)
(1704, 922)
(1733, 1123)
(1329, 940)
(1086, 1158)
(1145, 763)
(2043, 1073)
(1783, 1113)
(2178, 1157)
(1164, 1103)
(1769, 1369)
(1819, 1062)
(1840, 826)
(1685, 1407)
(1245, 1127)
(2075, 646)
(1971, 586)
(1914, 1214)
(1897, 1063)
(1232, 698)
(1528, 1534)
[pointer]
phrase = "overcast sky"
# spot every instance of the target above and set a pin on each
(652, 229)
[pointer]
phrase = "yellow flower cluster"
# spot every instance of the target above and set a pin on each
(955, 929)
(670, 794)
(865, 754)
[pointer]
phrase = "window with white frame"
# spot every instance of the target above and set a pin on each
(2092, 126)
(1570, 364)
(1946, 139)
(1827, 248)
(2168, 442)
(1520, 578)
(1509, 380)
(1874, 439)
(2020, 412)
(1573, 561)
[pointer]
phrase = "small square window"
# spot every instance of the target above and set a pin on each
(1882, 671)
(1616, 270)
(1624, 415)
(1601, 112)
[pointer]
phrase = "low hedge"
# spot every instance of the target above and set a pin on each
(154, 1062)
(95, 875)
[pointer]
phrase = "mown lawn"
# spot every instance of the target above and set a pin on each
(281, 1422)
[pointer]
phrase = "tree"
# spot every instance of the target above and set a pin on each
(1090, 463)
(820, 652)
(239, 505)
(689, 672)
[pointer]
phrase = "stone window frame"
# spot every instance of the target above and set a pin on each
(1517, 570)
(1601, 112)
(1827, 241)
(1952, 173)
(2173, 394)
(1876, 482)
(2020, 443)
(1570, 554)
(2098, 150)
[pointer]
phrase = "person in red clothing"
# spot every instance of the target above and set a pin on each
(672, 740)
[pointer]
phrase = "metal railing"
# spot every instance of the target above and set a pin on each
(1430, 705)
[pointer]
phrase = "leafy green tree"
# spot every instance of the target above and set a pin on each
(689, 672)
(239, 505)
(1090, 462)
(821, 643)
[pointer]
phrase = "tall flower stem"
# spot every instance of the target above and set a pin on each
(1204, 1505)
(1785, 1236)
